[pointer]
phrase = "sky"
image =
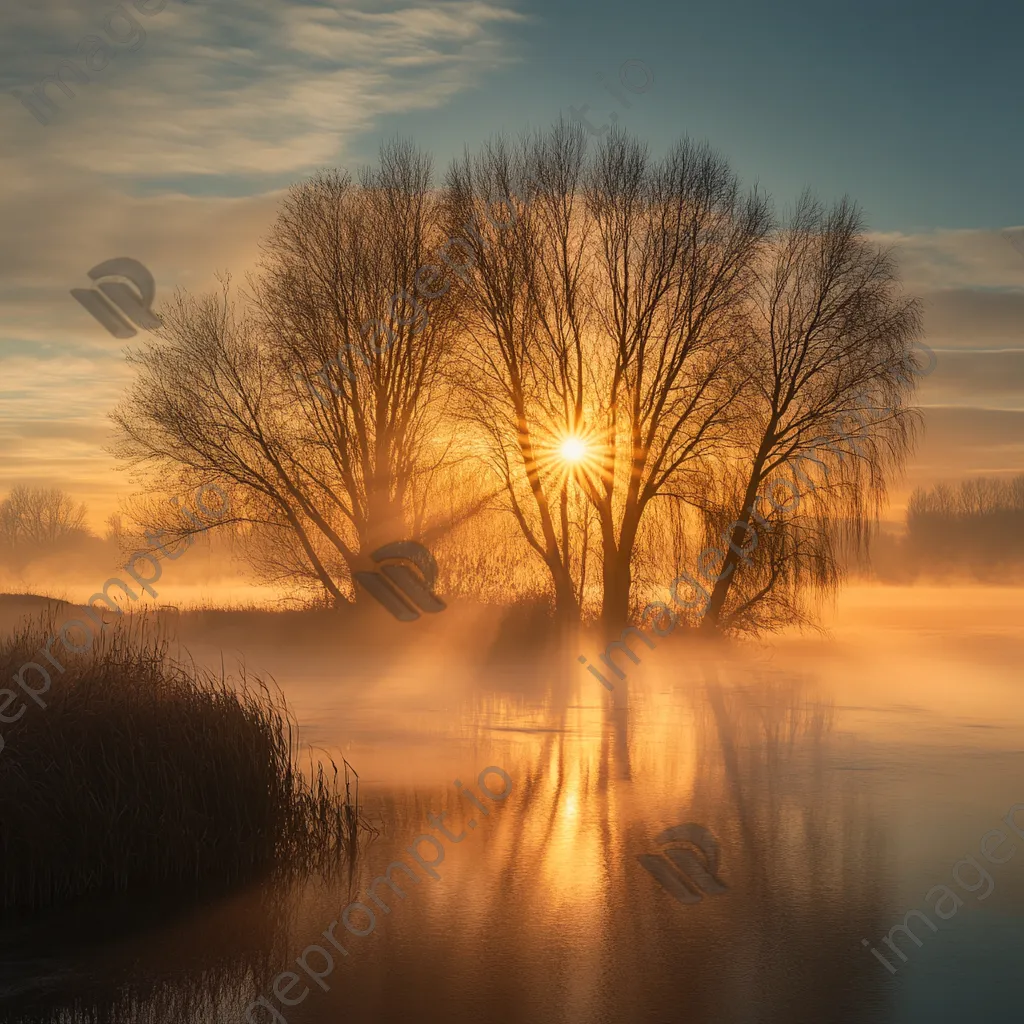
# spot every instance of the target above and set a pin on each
(176, 154)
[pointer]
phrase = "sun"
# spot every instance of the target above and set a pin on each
(573, 450)
(571, 453)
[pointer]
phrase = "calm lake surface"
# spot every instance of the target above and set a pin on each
(842, 779)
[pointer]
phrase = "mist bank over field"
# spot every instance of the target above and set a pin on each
(970, 533)
(74, 567)
(46, 548)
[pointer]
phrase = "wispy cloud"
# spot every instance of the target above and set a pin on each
(261, 88)
(940, 260)
(175, 155)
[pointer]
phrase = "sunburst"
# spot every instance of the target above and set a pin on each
(573, 449)
(572, 454)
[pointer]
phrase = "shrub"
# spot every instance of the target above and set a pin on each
(146, 773)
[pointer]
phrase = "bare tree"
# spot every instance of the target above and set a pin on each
(317, 402)
(831, 366)
(521, 310)
(39, 516)
(605, 316)
(676, 242)
(614, 329)
(364, 358)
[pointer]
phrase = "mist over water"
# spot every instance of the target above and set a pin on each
(842, 778)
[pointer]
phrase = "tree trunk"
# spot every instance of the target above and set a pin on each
(618, 574)
(738, 542)
(615, 605)
(567, 608)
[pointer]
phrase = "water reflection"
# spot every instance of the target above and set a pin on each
(111, 964)
(544, 913)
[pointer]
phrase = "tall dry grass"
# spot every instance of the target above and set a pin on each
(147, 773)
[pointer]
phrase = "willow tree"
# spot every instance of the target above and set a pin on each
(603, 346)
(676, 241)
(318, 399)
(826, 417)
(521, 314)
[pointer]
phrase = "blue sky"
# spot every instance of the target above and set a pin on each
(914, 109)
(176, 152)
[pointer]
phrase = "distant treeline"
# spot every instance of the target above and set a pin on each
(45, 528)
(36, 521)
(973, 528)
(976, 523)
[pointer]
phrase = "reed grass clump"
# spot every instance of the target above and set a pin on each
(148, 773)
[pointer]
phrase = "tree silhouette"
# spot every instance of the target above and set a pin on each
(830, 343)
(317, 401)
(607, 314)
(40, 516)
(572, 329)
(976, 525)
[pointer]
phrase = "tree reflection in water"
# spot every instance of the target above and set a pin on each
(546, 915)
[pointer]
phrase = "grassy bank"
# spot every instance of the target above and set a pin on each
(146, 774)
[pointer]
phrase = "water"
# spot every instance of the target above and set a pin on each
(841, 780)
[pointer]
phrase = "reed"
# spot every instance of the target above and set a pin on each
(148, 773)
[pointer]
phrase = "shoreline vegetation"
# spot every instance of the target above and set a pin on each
(149, 775)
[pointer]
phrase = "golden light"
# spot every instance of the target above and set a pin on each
(571, 452)
(573, 449)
